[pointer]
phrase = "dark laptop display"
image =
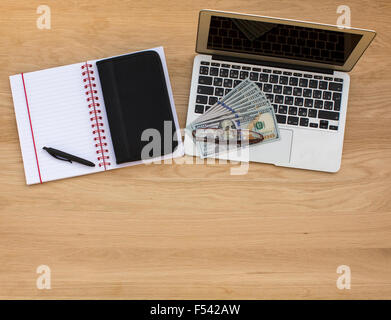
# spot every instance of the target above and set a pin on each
(281, 40)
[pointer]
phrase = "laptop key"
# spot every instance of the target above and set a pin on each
(259, 84)
(235, 67)
(277, 88)
(227, 83)
(297, 91)
(288, 100)
(205, 90)
(212, 100)
(307, 93)
(329, 115)
(298, 101)
(254, 76)
(293, 120)
(205, 80)
(293, 81)
(202, 99)
(199, 108)
(312, 113)
(218, 82)
(264, 77)
(236, 82)
(326, 95)
(287, 90)
(302, 112)
(243, 75)
(275, 108)
(328, 105)
(337, 105)
(318, 104)
(234, 74)
(281, 118)
(219, 92)
(313, 125)
(278, 98)
(303, 82)
(267, 87)
(204, 70)
(224, 73)
(283, 80)
(333, 127)
(226, 65)
(335, 86)
(323, 85)
(337, 96)
(226, 91)
(214, 71)
(313, 84)
(283, 109)
(323, 124)
(205, 63)
(304, 122)
(273, 78)
(207, 108)
(292, 111)
(309, 103)
(317, 94)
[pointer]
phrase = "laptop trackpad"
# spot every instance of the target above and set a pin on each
(274, 152)
(278, 152)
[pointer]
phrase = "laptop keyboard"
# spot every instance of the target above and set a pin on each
(299, 99)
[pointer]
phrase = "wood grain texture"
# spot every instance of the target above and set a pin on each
(194, 230)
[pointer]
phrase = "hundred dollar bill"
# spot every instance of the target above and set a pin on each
(215, 137)
(246, 87)
(238, 103)
(242, 117)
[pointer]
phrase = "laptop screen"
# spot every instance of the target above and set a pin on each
(281, 40)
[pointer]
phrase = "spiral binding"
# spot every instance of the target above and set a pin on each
(95, 113)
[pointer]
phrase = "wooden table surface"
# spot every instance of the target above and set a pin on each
(193, 231)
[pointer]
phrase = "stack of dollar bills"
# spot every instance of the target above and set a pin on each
(242, 118)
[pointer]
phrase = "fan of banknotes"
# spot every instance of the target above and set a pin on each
(244, 117)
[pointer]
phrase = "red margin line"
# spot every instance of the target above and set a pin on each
(96, 118)
(31, 127)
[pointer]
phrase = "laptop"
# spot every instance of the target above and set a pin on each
(300, 66)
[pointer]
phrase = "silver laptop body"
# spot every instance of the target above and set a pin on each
(300, 66)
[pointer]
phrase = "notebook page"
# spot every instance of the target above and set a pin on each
(59, 118)
(179, 152)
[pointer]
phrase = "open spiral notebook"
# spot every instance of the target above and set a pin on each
(66, 108)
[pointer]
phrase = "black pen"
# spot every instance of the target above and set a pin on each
(60, 155)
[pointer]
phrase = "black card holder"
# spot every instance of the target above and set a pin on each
(136, 99)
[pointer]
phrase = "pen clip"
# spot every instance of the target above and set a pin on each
(57, 156)
(60, 158)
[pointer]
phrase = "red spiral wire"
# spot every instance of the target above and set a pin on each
(93, 105)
